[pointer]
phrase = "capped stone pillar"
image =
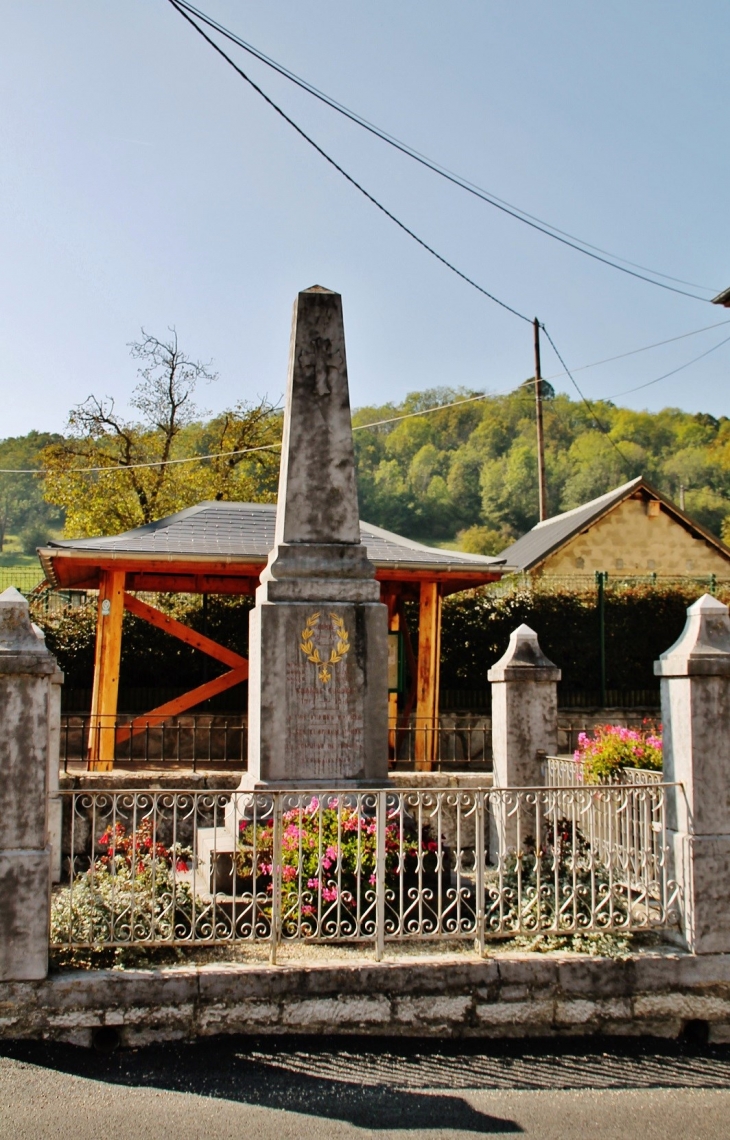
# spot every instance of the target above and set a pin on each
(524, 711)
(318, 687)
(695, 694)
(29, 678)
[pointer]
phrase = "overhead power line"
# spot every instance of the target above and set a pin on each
(389, 420)
(343, 172)
(644, 348)
(546, 228)
(134, 466)
(601, 426)
(674, 371)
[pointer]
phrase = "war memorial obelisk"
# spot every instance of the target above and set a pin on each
(318, 699)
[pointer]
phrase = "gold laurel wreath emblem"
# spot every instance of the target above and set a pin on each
(311, 651)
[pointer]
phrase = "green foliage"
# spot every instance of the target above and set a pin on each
(130, 893)
(481, 540)
(22, 506)
(555, 884)
(140, 479)
(433, 476)
(641, 622)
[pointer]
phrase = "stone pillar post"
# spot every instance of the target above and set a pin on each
(524, 711)
(695, 692)
(27, 673)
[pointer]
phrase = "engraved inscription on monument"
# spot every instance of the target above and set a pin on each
(323, 695)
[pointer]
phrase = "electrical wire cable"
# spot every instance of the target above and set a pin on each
(135, 466)
(601, 427)
(546, 228)
(389, 420)
(674, 371)
(343, 172)
(644, 348)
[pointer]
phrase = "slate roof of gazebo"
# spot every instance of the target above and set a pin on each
(237, 538)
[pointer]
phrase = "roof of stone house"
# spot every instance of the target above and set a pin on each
(244, 532)
(548, 536)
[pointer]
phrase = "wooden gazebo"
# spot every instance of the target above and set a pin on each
(221, 548)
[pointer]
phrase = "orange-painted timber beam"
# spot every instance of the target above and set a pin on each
(181, 704)
(238, 668)
(184, 633)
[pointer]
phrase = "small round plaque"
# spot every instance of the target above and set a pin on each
(106, 607)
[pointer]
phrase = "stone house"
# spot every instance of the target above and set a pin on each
(632, 530)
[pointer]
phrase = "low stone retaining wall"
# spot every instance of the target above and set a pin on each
(509, 995)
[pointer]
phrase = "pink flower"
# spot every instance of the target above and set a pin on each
(329, 894)
(332, 853)
(289, 873)
(313, 884)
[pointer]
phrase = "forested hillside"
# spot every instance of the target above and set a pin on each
(466, 474)
(472, 470)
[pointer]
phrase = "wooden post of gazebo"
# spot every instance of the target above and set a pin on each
(102, 724)
(429, 662)
(390, 597)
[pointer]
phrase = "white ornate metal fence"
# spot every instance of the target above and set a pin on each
(565, 772)
(194, 868)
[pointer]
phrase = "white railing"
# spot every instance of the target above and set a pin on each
(194, 868)
(625, 829)
(565, 772)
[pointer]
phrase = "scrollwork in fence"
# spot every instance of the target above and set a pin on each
(187, 868)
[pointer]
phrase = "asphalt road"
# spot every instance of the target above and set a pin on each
(269, 1090)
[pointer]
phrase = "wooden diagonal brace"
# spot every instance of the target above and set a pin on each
(238, 668)
(188, 700)
(183, 632)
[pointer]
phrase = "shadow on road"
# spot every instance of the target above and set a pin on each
(225, 1071)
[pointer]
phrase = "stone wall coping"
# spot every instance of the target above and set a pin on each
(449, 995)
(36, 664)
(150, 781)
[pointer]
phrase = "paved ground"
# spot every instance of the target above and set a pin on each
(221, 1090)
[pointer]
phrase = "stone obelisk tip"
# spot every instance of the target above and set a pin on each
(317, 488)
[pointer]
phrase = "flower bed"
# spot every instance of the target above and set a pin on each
(328, 863)
(612, 748)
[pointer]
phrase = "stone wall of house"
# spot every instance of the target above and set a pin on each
(630, 540)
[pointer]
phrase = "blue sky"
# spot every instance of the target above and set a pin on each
(143, 184)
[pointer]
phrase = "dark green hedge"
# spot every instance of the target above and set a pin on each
(641, 622)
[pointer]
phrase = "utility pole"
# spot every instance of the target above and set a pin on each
(542, 489)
